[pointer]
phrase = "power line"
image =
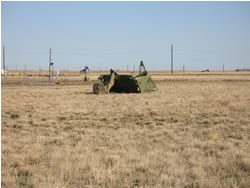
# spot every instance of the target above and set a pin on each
(49, 63)
(172, 59)
(3, 58)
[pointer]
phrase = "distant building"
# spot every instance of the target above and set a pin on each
(3, 72)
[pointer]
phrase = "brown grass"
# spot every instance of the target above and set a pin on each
(194, 132)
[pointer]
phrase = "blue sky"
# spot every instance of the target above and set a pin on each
(106, 35)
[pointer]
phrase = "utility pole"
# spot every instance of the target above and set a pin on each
(49, 63)
(3, 58)
(172, 58)
(25, 69)
(134, 68)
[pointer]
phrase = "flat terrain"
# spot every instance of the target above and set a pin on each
(194, 132)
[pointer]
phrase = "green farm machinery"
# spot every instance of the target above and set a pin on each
(113, 82)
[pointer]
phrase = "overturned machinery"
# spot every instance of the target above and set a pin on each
(116, 83)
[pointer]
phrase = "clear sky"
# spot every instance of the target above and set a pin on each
(106, 35)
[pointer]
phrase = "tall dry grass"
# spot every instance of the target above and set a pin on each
(194, 132)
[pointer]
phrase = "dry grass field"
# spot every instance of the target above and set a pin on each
(194, 132)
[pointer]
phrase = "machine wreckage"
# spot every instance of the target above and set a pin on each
(113, 82)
